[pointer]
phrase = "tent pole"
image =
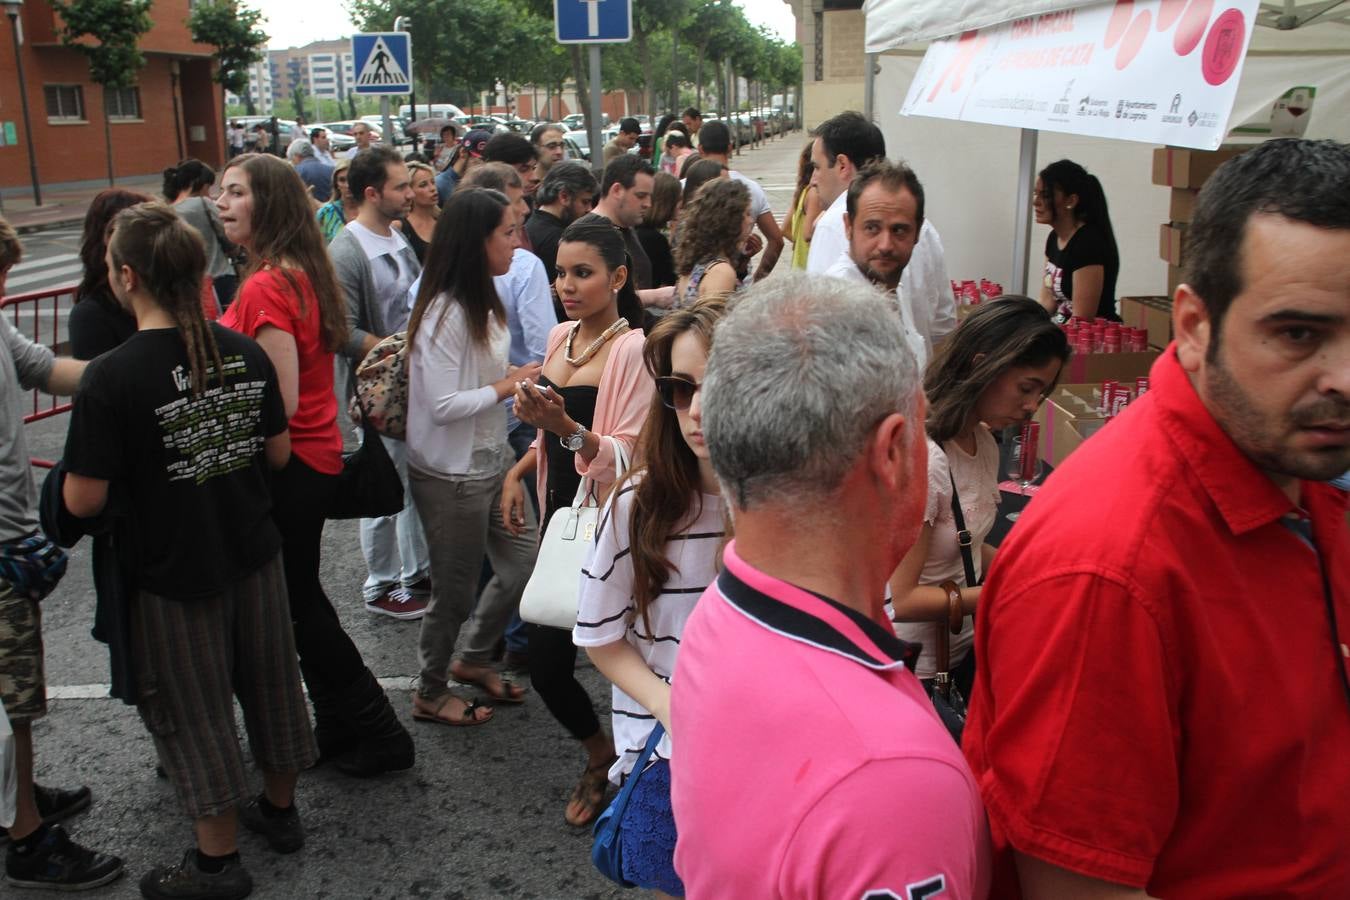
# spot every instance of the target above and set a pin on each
(1026, 181)
(870, 87)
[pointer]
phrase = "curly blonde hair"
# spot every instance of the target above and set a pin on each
(711, 224)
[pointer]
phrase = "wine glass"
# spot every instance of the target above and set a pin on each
(1024, 463)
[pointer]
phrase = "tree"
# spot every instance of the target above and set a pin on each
(115, 58)
(233, 30)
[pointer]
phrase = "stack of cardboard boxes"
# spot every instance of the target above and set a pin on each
(1185, 172)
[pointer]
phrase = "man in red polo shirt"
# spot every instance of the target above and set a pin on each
(1162, 706)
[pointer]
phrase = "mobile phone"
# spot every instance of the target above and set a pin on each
(541, 388)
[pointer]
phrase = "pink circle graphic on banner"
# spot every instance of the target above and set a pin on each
(1192, 28)
(1134, 39)
(1120, 21)
(1223, 47)
(1168, 13)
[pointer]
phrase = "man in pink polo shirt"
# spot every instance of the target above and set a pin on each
(808, 761)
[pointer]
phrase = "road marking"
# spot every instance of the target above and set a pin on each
(44, 262)
(60, 274)
(100, 691)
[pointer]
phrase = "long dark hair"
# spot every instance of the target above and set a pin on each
(284, 228)
(169, 258)
(190, 174)
(608, 242)
(666, 492)
(94, 239)
(457, 264)
(1012, 331)
(1069, 178)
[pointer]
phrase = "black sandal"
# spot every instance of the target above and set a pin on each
(590, 793)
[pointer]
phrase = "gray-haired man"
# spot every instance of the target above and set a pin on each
(316, 175)
(812, 409)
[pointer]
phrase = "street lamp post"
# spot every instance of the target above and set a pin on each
(402, 23)
(12, 8)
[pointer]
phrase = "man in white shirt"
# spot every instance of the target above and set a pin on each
(376, 268)
(364, 137)
(843, 145)
(882, 217)
(716, 145)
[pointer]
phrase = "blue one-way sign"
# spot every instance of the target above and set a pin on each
(382, 62)
(593, 21)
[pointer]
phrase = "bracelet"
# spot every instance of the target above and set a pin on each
(956, 616)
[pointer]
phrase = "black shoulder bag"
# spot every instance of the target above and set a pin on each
(947, 700)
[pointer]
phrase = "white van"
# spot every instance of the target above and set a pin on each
(431, 111)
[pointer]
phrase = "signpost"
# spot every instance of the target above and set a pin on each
(593, 22)
(382, 61)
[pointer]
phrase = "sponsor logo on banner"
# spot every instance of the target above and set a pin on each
(1158, 71)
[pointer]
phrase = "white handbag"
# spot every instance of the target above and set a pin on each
(551, 594)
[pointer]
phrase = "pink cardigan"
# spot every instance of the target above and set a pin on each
(621, 406)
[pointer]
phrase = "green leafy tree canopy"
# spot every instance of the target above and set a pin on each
(115, 27)
(235, 33)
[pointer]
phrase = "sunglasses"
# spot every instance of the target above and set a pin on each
(677, 393)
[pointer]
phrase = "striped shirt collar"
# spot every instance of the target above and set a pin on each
(810, 618)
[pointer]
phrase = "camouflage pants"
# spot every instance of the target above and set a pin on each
(23, 683)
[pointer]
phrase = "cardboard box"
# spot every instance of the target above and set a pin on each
(1152, 313)
(1068, 417)
(1181, 205)
(1172, 242)
(1175, 277)
(1179, 167)
(1094, 368)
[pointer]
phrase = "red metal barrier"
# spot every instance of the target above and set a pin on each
(42, 322)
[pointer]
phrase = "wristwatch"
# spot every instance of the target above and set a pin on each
(575, 440)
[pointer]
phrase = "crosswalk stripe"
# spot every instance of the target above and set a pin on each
(100, 691)
(54, 276)
(45, 262)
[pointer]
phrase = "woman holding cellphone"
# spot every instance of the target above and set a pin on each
(458, 454)
(594, 390)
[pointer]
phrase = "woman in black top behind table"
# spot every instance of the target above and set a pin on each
(98, 323)
(652, 232)
(1081, 259)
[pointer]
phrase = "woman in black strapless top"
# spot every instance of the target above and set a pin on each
(563, 480)
(605, 401)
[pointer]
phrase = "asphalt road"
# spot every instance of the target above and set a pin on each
(480, 816)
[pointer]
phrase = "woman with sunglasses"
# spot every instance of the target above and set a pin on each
(655, 553)
(991, 373)
(594, 391)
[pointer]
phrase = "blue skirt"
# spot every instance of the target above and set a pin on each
(648, 833)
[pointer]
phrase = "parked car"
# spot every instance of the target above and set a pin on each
(377, 123)
(578, 145)
(577, 121)
(287, 129)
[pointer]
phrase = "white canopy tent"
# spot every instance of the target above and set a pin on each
(977, 178)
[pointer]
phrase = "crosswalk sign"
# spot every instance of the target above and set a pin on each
(382, 62)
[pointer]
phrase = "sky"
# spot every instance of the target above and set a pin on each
(291, 23)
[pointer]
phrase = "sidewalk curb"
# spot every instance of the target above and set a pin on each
(34, 227)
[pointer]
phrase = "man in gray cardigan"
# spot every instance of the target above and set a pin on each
(376, 267)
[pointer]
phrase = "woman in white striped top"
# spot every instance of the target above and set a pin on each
(655, 553)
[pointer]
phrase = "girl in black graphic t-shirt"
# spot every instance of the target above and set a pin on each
(1081, 259)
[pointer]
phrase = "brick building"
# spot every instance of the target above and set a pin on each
(834, 62)
(173, 110)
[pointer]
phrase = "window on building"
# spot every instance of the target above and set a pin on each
(65, 102)
(123, 103)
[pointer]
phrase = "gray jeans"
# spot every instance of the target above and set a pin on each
(462, 520)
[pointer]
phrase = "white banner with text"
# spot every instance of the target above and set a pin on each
(1158, 71)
